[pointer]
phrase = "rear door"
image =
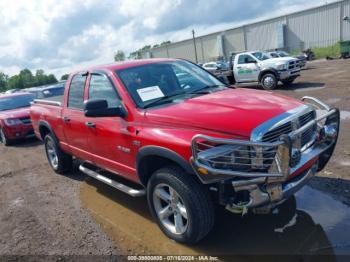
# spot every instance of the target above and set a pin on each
(108, 136)
(246, 69)
(73, 117)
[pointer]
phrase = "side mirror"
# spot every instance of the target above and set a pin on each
(99, 108)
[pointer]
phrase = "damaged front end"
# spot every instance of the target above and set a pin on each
(282, 155)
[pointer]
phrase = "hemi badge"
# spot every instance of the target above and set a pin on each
(136, 143)
(124, 149)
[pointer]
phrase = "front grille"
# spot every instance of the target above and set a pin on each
(274, 134)
(294, 65)
(304, 119)
(26, 120)
(308, 135)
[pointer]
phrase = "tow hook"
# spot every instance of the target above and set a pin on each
(255, 197)
(275, 192)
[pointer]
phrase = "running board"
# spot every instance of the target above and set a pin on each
(126, 189)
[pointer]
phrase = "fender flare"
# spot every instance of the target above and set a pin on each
(268, 70)
(164, 153)
(43, 123)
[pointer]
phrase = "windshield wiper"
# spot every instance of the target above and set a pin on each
(161, 99)
(204, 90)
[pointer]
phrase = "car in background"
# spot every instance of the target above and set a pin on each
(15, 122)
(277, 54)
(11, 91)
(251, 68)
(216, 66)
(46, 91)
(220, 69)
(211, 66)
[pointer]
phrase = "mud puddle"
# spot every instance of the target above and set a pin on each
(312, 223)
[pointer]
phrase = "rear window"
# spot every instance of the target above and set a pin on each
(13, 102)
(76, 92)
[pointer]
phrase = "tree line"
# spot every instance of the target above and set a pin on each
(25, 79)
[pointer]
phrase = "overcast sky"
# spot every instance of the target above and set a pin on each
(60, 36)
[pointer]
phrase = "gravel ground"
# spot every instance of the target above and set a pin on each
(41, 213)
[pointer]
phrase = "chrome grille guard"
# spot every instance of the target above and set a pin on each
(216, 159)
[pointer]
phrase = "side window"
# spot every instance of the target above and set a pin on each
(245, 59)
(101, 88)
(76, 92)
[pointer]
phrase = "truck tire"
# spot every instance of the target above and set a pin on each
(59, 161)
(180, 204)
(4, 140)
(269, 81)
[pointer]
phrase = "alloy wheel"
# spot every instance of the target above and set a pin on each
(170, 209)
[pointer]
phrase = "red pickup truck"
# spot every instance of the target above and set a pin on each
(170, 130)
(15, 121)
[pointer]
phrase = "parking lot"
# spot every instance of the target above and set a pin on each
(44, 213)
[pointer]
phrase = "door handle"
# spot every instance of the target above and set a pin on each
(239, 67)
(66, 119)
(90, 124)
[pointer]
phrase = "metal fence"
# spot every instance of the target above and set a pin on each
(317, 27)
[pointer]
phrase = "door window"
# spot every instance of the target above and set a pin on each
(76, 92)
(101, 88)
(245, 59)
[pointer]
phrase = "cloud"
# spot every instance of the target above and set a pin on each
(59, 36)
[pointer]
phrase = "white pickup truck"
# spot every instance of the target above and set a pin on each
(258, 68)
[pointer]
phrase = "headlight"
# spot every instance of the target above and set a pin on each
(281, 66)
(230, 157)
(12, 122)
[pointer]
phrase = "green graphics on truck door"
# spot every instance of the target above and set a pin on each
(245, 71)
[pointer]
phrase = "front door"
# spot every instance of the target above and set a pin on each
(109, 137)
(246, 69)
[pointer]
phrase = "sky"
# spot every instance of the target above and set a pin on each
(63, 36)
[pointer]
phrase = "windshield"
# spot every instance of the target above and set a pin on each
(151, 82)
(261, 56)
(283, 54)
(13, 102)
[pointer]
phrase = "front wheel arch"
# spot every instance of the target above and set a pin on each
(268, 71)
(151, 158)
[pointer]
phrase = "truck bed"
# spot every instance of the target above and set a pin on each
(54, 101)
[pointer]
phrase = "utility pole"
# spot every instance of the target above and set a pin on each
(194, 45)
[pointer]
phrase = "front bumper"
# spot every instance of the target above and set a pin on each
(19, 131)
(283, 75)
(286, 173)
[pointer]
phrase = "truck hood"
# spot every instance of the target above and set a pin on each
(15, 113)
(279, 60)
(231, 111)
